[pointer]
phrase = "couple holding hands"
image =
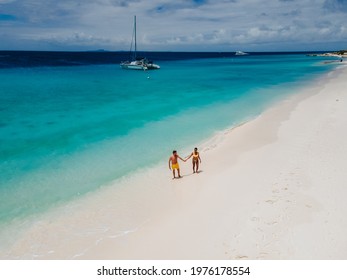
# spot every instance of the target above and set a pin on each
(173, 162)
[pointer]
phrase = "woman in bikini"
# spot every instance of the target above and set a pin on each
(196, 159)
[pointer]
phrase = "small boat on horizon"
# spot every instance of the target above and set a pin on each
(241, 53)
(137, 63)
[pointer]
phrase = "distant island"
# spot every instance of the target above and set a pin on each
(342, 53)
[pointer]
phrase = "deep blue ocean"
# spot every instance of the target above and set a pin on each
(73, 122)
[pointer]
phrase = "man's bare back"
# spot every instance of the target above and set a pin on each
(173, 159)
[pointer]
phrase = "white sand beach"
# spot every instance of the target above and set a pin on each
(272, 188)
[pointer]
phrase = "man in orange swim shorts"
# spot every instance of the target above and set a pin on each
(174, 164)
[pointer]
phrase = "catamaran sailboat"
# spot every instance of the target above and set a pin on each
(138, 63)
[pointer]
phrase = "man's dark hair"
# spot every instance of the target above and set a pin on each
(174, 151)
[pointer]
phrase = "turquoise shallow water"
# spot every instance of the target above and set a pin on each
(66, 131)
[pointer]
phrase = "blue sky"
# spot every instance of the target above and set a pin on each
(181, 25)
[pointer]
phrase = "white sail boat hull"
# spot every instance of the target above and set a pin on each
(139, 65)
(152, 66)
(132, 66)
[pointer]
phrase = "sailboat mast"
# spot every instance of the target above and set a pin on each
(135, 37)
(137, 63)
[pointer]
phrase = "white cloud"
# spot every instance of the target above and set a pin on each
(177, 25)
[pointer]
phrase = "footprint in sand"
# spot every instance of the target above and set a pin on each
(270, 201)
(241, 257)
(262, 255)
(255, 219)
(271, 223)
